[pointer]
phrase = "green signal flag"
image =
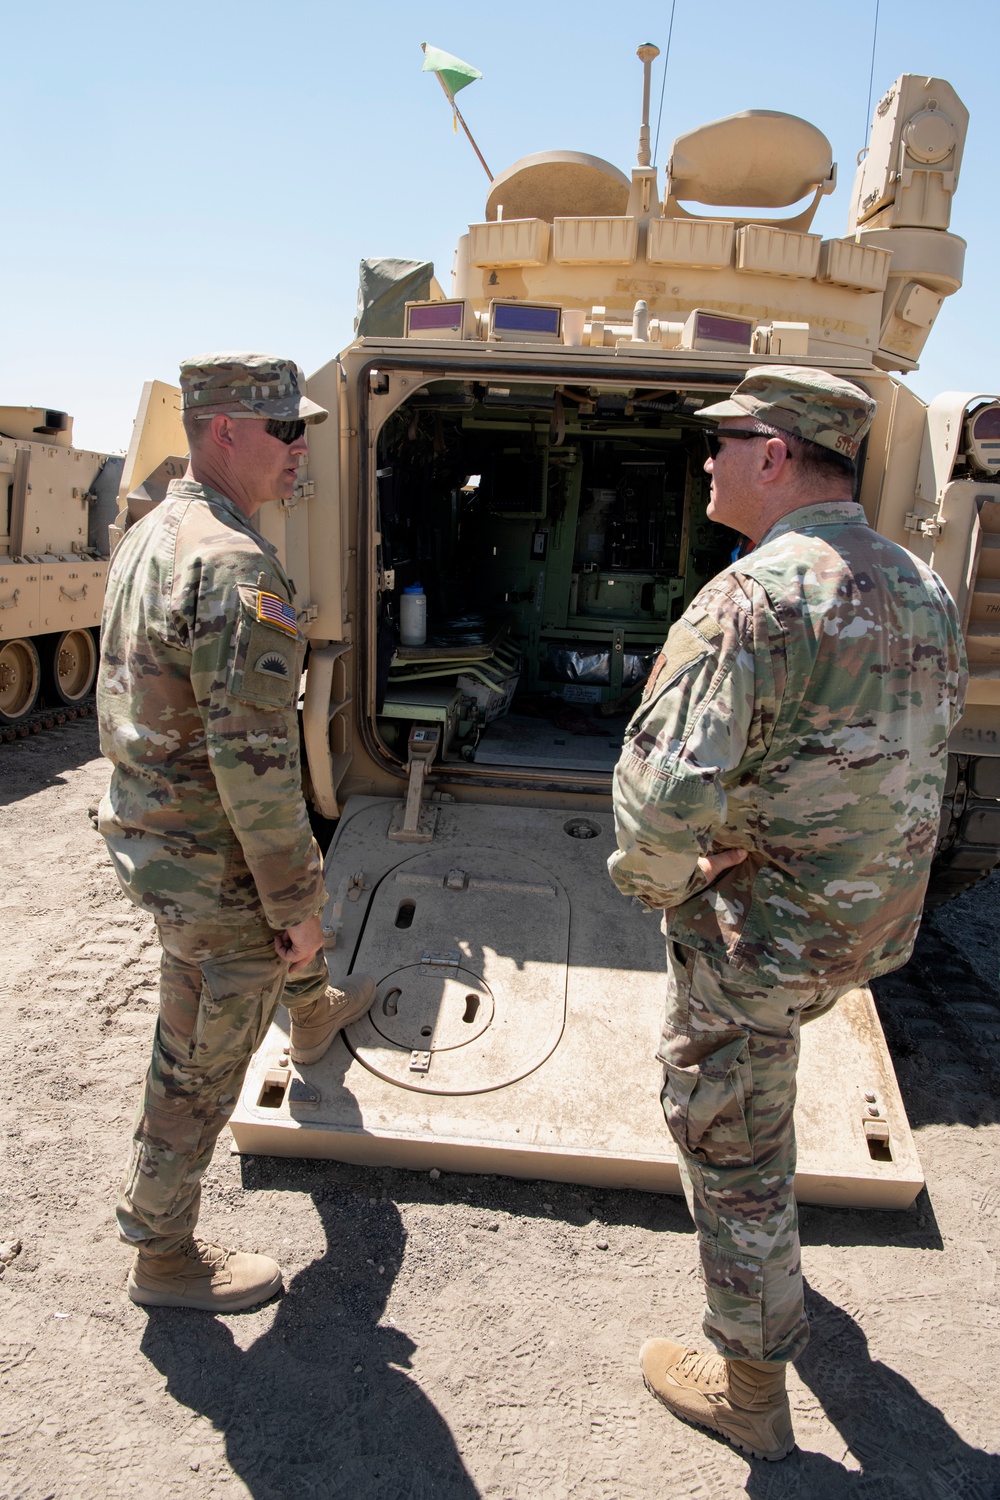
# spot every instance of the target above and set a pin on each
(453, 72)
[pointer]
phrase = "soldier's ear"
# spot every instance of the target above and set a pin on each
(222, 430)
(774, 460)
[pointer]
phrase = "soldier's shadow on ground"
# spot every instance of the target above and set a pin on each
(904, 1447)
(320, 1405)
(30, 765)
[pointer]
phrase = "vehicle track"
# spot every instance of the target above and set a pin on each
(46, 718)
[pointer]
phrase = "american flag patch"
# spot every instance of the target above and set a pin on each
(276, 612)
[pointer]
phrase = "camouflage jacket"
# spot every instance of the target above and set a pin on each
(800, 709)
(197, 701)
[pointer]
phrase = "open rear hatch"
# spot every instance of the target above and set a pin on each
(556, 530)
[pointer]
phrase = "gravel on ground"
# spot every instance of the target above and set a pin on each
(449, 1336)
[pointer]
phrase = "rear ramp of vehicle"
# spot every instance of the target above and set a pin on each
(518, 1007)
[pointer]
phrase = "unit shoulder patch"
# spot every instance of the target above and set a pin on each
(272, 665)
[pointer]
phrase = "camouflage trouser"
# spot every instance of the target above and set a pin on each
(220, 983)
(730, 1048)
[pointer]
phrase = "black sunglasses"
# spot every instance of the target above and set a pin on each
(714, 440)
(285, 432)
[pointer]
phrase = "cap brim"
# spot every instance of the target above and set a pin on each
(721, 409)
(310, 412)
(288, 409)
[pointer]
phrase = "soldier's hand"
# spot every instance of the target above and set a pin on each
(297, 945)
(712, 865)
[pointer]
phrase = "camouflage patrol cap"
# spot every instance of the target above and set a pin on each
(808, 403)
(247, 384)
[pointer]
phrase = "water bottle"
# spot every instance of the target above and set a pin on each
(413, 615)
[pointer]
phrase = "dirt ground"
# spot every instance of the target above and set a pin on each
(463, 1336)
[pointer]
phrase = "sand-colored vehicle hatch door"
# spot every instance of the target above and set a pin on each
(307, 528)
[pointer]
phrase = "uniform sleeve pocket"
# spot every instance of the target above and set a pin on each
(266, 659)
(684, 647)
(707, 1096)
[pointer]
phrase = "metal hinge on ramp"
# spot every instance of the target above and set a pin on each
(450, 958)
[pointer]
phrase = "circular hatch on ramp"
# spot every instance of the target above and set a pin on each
(425, 1009)
(471, 971)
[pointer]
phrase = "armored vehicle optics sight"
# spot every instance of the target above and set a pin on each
(525, 320)
(438, 320)
(711, 330)
(984, 438)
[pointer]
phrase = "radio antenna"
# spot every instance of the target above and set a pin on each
(871, 73)
(663, 81)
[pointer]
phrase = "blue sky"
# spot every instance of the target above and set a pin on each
(204, 176)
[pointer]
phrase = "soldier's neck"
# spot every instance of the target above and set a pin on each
(220, 476)
(765, 516)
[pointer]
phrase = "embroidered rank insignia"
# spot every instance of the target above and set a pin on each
(275, 611)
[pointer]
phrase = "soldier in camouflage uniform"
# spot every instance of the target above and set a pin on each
(778, 795)
(205, 819)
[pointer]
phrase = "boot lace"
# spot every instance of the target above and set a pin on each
(703, 1368)
(213, 1257)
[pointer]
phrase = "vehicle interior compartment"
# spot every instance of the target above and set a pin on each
(556, 531)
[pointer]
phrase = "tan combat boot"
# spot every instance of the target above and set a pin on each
(315, 1026)
(204, 1276)
(743, 1400)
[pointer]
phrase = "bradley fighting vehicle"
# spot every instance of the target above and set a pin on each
(526, 451)
(59, 501)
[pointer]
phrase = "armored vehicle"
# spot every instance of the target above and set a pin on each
(53, 560)
(521, 460)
